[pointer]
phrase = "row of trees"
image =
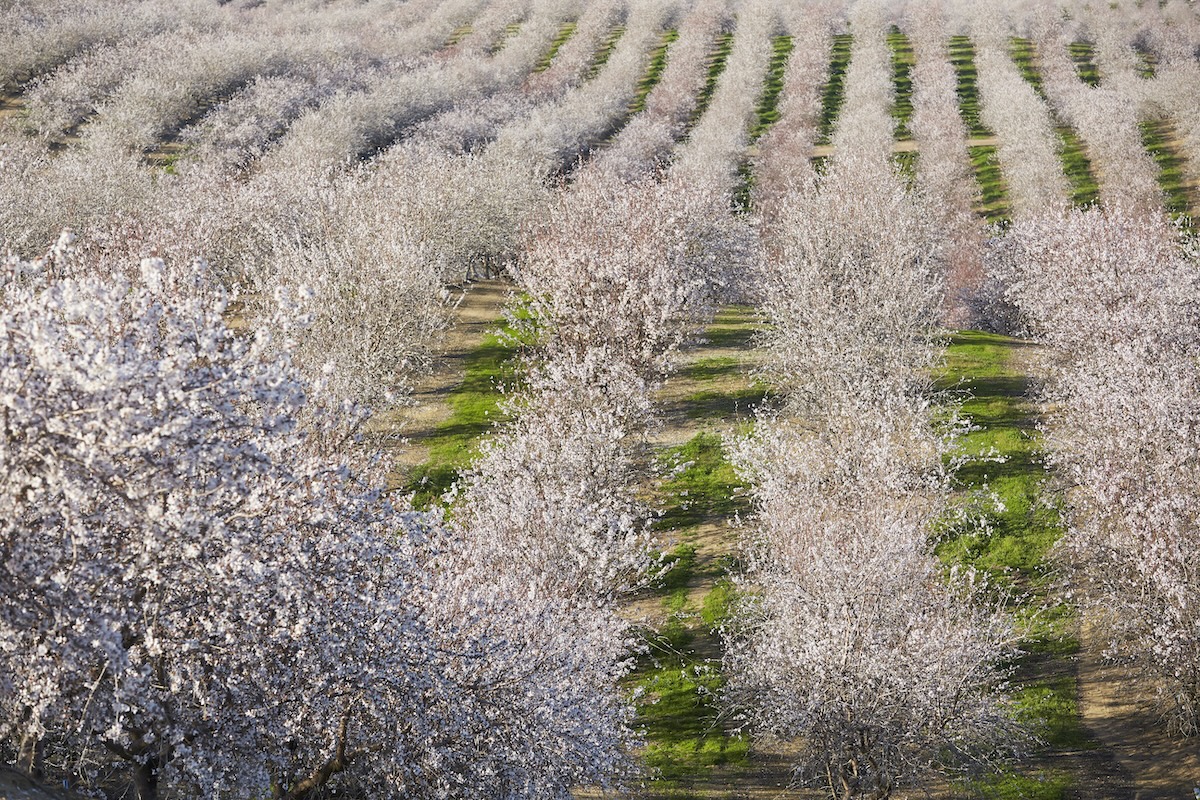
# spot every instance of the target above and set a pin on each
(1112, 293)
(944, 172)
(1106, 121)
(853, 645)
(784, 151)
(645, 145)
(1009, 106)
(202, 596)
(194, 554)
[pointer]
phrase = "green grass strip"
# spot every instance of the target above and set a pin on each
(562, 37)
(833, 92)
(654, 71)
(717, 59)
(1181, 200)
(475, 410)
(993, 201)
(903, 62)
(962, 58)
(707, 489)
(457, 35)
(1024, 55)
(767, 110)
(605, 51)
(677, 683)
(1084, 56)
(1010, 538)
(676, 688)
(1078, 168)
(1020, 536)
(766, 114)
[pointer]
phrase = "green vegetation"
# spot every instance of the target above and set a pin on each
(734, 328)
(993, 194)
(962, 57)
(1003, 456)
(564, 34)
(1084, 55)
(678, 681)
(706, 369)
(728, 397)
(1147, 60)
(1078, 167)
(676, 689)
(606, 49)
(833, 92)
(1158, 136)
(654, 71)
(903, 61)
(458, 34)
(510, 30)
(767, 111)
(717, 60)
(1011, 525)
(1024, 55)
(475, 409)
(703, 486)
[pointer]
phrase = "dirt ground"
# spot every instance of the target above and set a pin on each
(1130, 758)
(479, 312)
(1157, 766)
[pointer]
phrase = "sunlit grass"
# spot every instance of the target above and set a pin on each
(962, 58)
(833, 92)
(654, 71)
(562, 37)
(1010, 535)
(903, 62)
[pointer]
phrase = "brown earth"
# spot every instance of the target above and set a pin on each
(478, 312)
(18, 786)
(11, 105)
(1119, 711)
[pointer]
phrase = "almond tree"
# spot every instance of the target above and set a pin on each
(852, 645)
(195, 600)
(1112, 292)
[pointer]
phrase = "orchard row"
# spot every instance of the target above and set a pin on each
(203, 591)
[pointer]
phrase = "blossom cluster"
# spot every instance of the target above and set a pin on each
(853, 645)
(198, 597)
(1112, 293)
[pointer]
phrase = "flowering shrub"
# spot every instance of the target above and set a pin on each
(1113, 294)
(194, 601)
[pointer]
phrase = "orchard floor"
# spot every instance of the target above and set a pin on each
(1117, 753)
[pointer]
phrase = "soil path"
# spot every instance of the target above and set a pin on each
(478, 313)
(1120, 713)
(11, 105)
(1130, 756)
